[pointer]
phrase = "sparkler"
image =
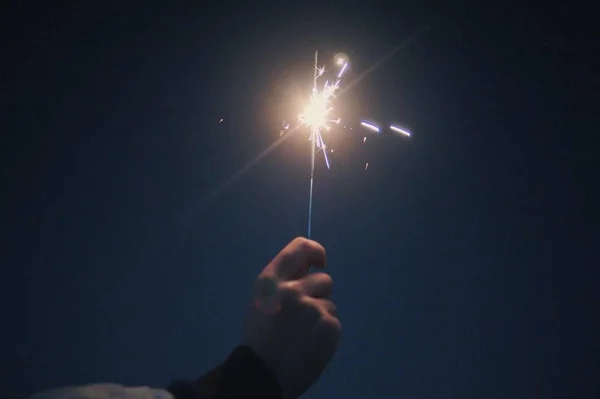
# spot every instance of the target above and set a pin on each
(320, 100)
(316, 116)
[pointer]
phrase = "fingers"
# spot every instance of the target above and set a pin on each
(309, 308)
(305, 301)
(297, 257)
(316, 285)
(326, 305)
(322, 314)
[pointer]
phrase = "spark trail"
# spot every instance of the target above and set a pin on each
(316, 117)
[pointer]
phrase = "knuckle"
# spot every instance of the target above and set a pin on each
(311, 308)
(326, 280)
(332, 326)
(289, 290)
(299, 239)
(330, 307)
(336, 327)
(302, 244)
(265, 285)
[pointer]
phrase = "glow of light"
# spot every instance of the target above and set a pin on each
(370, 126)
(400, 130)
(316, 113)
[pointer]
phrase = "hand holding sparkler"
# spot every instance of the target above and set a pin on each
(292, 324)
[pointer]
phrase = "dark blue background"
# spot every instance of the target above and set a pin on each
(463, 258)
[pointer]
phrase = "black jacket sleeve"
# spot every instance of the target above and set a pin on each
(242, 375)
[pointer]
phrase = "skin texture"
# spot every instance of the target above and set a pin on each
(291, 323)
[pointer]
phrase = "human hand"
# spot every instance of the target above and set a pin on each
(292, 324)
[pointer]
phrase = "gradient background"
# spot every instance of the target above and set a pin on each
(463, 259)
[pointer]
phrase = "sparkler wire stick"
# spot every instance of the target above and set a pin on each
(313, 144)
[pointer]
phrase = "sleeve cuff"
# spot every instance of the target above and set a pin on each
(243, 375)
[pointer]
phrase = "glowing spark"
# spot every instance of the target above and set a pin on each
(325, 155)
(220, 120)
(366, 166)
(316, 117)
(370, 126)
(320, 71)
(342, 70)
(284, 128)
(365, 139)
(316, 113)
(400, 130)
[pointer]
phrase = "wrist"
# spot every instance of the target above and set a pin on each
(245, 374)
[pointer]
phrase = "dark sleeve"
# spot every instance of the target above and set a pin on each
(242, 375)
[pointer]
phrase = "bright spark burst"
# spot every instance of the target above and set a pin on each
(317, 114)
(317, 117)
